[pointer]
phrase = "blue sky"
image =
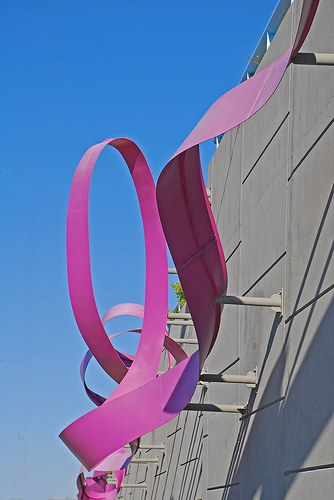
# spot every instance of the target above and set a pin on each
(74, 73)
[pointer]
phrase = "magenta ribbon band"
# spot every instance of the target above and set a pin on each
(96, 487)
(126, 309)
(117, 461)
(144, 401)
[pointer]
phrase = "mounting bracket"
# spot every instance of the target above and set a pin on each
(179, 319)
(250, 379)
(154, 460)
(161, 447)
(210, 407)
(275, 302)
(136, 485)
(314, 58)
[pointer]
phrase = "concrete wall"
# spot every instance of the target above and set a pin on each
(272, 197)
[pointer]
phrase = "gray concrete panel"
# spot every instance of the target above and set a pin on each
(320, 36)
(312, 92)
(232, 492)
(260, 467)
(233, 272)
(318, 484)
(225, 188)
(311, 226)
(262, 342)
(264, 212)
(310, 139)
(222, 444)
(259, 131)
(308, 405)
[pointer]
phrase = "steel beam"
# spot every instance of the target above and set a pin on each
(314, 58)
(210, 407)
(154, 460)
(275, 302)
(149, 446)
(152, 446)
(135, 485)
(173, 315)
(180, 322)
(249, 379)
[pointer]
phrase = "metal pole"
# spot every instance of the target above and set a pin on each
(145, 460)
(314, 58)
(173, 315)
(249, 379)
(142, 485)
(274, 302)
(152, 446)
(180, 322)
(209, 407)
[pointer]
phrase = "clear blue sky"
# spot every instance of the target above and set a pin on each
(73, 73)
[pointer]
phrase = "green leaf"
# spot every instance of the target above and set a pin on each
(177, 287)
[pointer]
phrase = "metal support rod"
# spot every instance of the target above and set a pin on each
(151, 446)
(274, 302)
(141, 485)
(180, 322)
(209, 407)
(173, 315)
(154, 460)
(249, 378)
(172, 270)
(314, 58)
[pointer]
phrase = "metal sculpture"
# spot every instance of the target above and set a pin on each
(144, 401)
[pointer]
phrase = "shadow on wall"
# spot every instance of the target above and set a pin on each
(241, 456)
(263, 456)
(190, 470)
(283, 433)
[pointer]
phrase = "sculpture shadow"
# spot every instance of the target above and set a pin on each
(276, 442)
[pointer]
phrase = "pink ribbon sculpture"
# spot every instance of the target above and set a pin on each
(144, 401)
(118, 460)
